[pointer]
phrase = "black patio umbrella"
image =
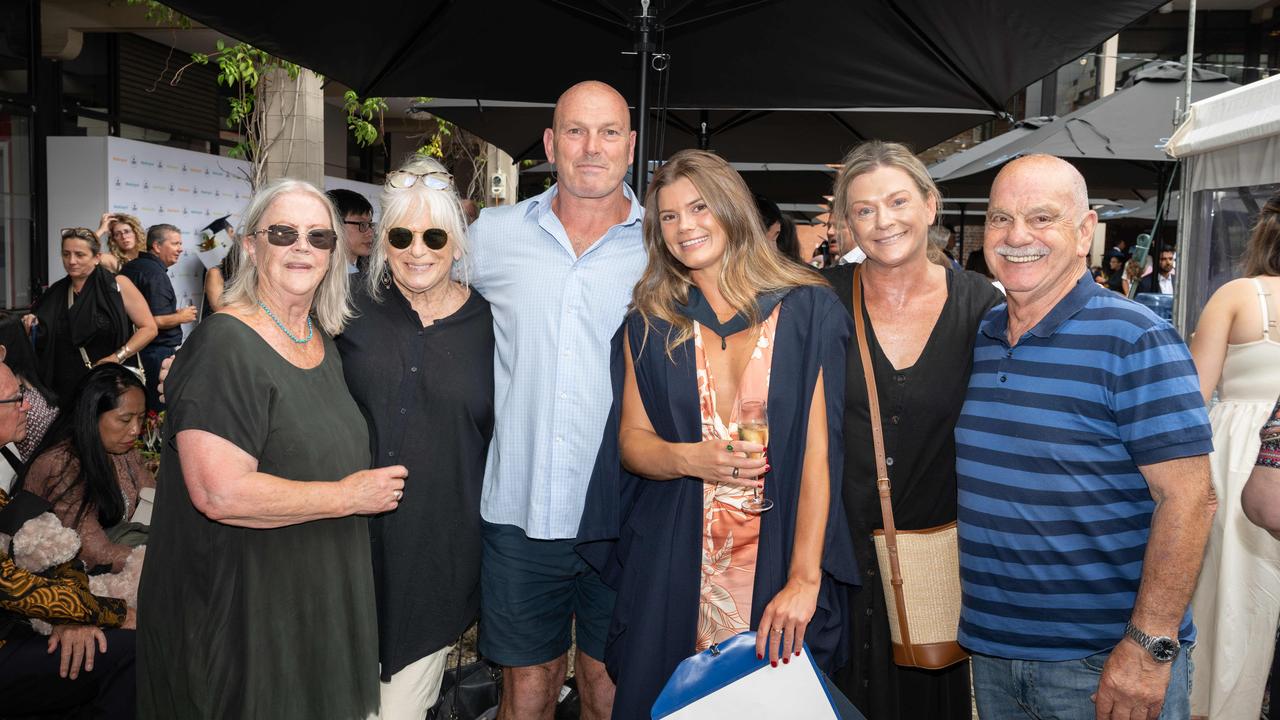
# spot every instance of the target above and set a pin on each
(816, 135)
(783, 183)
(972, 54)
(1117, 142)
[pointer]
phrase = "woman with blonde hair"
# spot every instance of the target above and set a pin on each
(257, 593)
(921, 319)
(125, 238)
(724, 330)
(1236, 348)
(418, 359)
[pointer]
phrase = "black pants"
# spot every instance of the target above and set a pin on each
(152, 356)
(29, 682)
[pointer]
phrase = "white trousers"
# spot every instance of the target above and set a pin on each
(413, 690)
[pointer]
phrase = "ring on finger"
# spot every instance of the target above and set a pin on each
(397, 494)
(778, 630)
(735, 473)
(729, 447)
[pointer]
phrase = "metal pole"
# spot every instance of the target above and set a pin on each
(640, 166)
(704, 130)
(1191, 47)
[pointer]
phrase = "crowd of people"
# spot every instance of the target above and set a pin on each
(635, 427)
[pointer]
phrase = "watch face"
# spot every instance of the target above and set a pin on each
(1164, 649)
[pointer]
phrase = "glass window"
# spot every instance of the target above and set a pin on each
(1077, 84)
(1221, 222)
(15, 209)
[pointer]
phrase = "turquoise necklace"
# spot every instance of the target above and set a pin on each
(301, 341)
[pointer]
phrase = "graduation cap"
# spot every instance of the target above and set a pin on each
(218, 226)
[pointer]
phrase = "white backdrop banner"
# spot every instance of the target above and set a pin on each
(158, 184)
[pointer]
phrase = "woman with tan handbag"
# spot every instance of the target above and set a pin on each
(915, 321)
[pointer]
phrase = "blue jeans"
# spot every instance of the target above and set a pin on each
(1047, 690)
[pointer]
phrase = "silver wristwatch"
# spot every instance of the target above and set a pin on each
(1161, 649)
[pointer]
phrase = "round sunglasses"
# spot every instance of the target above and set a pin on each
(401, 238)
(284, 236)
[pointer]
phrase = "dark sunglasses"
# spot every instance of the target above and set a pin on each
(401, 238)
(284, 236)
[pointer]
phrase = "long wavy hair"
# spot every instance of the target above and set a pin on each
(331, 305)
(98, 392)
(751, 264)
(399, 204)
(1262, 253)
(140, 236)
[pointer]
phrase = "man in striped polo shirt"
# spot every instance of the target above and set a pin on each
(1084, 491)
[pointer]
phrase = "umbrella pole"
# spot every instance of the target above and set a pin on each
(1191, 47)
(644, 51)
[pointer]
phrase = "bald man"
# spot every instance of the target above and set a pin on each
(1084, 493)
(557, 270)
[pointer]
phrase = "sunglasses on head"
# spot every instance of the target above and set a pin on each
(79, 232)
(284, 236)
(401, 238)
(435, 179)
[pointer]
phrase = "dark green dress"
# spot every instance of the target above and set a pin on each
(244, 623)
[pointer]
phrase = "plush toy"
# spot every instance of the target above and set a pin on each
(40, 541)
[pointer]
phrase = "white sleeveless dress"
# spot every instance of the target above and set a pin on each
(1237, 600)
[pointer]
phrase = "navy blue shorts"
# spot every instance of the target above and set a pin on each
(531, 591)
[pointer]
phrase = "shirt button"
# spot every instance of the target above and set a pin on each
(413, 369)
(1004, 378)
(866, 646)
(559, 439)
(868, 612)
(391, 453)
(419, 333)
(871, 572)
(403, 411)
(888, 461)
(894, 419)
(564, 395)
(900, 378)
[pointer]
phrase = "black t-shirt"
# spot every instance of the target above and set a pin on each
(152, 280)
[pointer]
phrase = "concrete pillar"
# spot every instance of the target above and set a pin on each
(293, 128)
(1107, 66)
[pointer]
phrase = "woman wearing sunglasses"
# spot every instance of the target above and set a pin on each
(258, 586)
(88, 318)
(418, 358)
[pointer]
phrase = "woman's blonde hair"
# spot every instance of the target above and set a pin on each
(398, 204)
(875, 154)
(331, 305)
(1262, 252)
(139, 236)
(751, 264)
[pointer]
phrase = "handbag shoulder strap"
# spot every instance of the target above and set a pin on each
(882, 469)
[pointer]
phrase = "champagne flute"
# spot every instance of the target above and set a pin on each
(753, 426)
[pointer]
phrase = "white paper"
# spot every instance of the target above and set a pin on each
(791, 690)
(146, 500)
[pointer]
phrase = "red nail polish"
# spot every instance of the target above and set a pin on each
(797, 653)
(786, 661)
(773, 663)
(759, 656)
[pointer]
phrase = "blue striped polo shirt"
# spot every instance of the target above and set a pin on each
(1053, 512)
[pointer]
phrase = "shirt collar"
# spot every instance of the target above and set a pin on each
(996, 324)
(541, 204)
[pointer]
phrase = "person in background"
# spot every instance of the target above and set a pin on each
(124, 239)
(1083, 476)
(42, 403)
(779, 229)
(87, 318)
(257, 592)
(218, 277)
(418, 360)
(357, 221)
(471, 210)
(1114, 277)
(150, 274)
(690, 474)
(557, 270)
(921, 318)
(86, 665)
(1236, 348)
(1161, 279)
(1261, 496)
(88, 468)
(940, 239)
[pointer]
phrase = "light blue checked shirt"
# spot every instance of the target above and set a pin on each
(554, 315)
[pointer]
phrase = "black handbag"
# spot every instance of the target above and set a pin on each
(468, 691)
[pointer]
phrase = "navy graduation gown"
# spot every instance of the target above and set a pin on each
(645, 536)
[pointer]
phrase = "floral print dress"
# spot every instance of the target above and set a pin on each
(730, 535)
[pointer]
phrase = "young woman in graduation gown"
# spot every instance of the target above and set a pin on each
(719, 319)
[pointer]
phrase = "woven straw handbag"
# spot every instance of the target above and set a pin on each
(922, 585)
